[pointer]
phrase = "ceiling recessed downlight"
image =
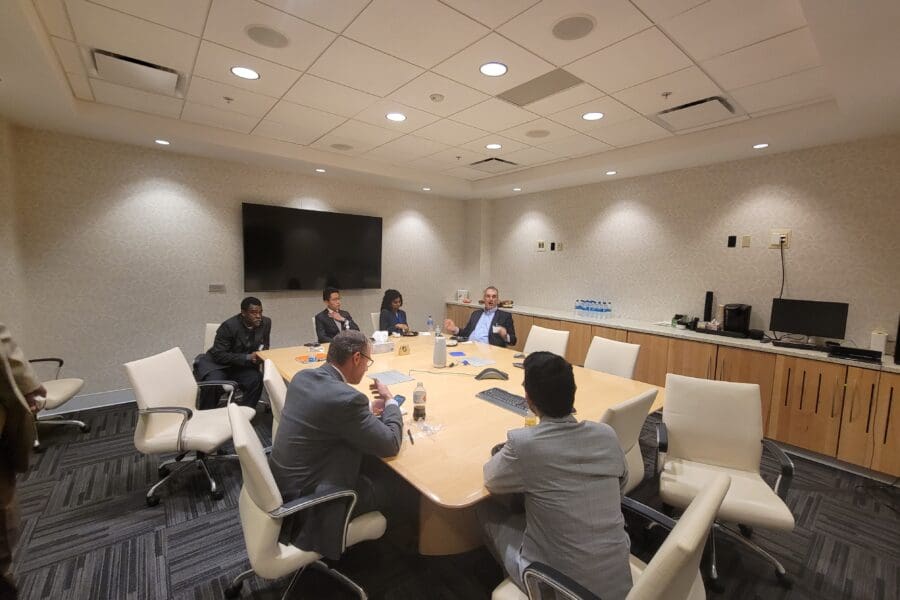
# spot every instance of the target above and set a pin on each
(320, 170)
(611, 172)
(395, 116)
(592, 116)
(493, 69)
(493, 146)
(244, 72)
(162, 142)
(760, 146)
(426, 189)
(517, 189)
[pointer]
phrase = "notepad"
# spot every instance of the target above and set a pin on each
(390, 377)
(475, 361)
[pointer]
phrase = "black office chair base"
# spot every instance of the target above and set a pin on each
(56, 421)
(170, 468)
(780, 573)
(234, 590)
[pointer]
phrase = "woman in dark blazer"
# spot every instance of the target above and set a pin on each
(393, 318)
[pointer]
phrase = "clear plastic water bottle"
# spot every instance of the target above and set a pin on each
(429, 324)
(530, 418)
(419, 398)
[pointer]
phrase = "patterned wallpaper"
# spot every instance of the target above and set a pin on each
(120, 243)
(653, 245)
(12, 288)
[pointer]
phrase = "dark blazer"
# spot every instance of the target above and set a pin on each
(326, 328)
(503, 319)
(232, 345)
(388, 320)
(326, 427)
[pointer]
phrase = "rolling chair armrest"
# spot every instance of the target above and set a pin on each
(648, 513)
(229, 386)
(59, 363)
(783, 483)
(185, 412)
(662, 447)
(305, 502)
(565, 587)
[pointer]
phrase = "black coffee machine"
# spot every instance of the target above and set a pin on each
(737, 318)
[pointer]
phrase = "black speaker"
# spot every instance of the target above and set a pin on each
(707, 308)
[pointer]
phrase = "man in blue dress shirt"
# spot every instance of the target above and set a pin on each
(490, 324)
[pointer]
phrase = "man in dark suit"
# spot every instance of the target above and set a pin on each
(332, 320)
(327, 429)
(234, 355)
(490, 324)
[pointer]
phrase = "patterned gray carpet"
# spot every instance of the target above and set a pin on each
(87, 534)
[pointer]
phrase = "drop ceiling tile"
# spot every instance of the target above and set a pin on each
(69, 55)
(493, 115)
(295, 114)
(629, 133)
(613, 112)
(523, 65)
(450, 132)
(56, 21)
(213, 93)
(613, 20)
(362, 137)
(216, 117)
(99, 27)
(577, 94)
(721, 123)
(777, 57)
(805, 86)
(418, 93)
(215, 62)
(467, 173)
(363, 68)
(228, 20)
(184, 15)
(406, 149)
(493, 13)
(660, 10)
(415, 119)
(326, 13)
(508, 145)
(423, 32)
(427, 164)
(328, 96)
(126, 97)
(297, 126)
(549, 130)
(638, 59)
(576, 145)
(721, 26)
(456, 157)
(685, 86)
(531, 156)
(80, 85)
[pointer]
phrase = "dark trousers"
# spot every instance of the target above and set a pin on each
(9, 528)
(249, 379)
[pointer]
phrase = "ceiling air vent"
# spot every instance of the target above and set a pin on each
(697, 113)
(135, 73)
(493, 165)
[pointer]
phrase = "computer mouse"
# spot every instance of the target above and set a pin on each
(492, 373)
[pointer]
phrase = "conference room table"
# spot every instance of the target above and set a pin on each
(455, 439)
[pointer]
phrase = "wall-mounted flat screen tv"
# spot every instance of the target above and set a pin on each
(294, 249)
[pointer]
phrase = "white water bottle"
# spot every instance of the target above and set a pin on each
(440, 352)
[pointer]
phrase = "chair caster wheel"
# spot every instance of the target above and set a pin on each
(39, 449)
(233, 591)
(163, 472)
(784, 580)
(746, 531)
(85, 428)
(152, 500)
(217, 495)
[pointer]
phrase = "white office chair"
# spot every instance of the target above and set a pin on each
(627, 419)
(277, 392)
(673, 572)
(547, 340)
(59, 391)
(210, 336)
(262, 510)
(376, 320)
(610, 356)
(712, 427)
(168, 419)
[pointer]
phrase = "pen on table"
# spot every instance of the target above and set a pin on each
(411, 440)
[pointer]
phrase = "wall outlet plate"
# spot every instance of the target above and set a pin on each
(541, 246)
(775, 237)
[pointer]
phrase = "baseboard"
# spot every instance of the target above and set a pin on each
(90, 401)
(838, 464)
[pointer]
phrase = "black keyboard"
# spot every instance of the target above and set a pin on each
(799, 346)
(504, 399)
(863, 354)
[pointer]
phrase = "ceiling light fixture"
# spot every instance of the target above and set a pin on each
(493, 146)
(517, 189)
(162, 142)
(395, 116)
(320, 170)
(426, 189)
(592, 116)
(493, 69)
(244, 73)
(611, 172)
(760, 146)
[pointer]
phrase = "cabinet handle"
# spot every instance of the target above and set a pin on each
(708, 365)
(833, 394)
(723, 370)
(853, 398)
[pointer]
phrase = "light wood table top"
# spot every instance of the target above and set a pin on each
(446, 466)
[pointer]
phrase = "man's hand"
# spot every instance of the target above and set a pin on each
(335, 315)
(449, 325)
(501, 331)
(255, 358)
(32, 399)
(381, 394)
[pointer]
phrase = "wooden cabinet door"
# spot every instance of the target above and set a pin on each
(807, 400)
(579, 341)
(857, 439)
(651, 362)
(749, 366)
(886, 451)
(693, 359)
(619, 335)
(458, 314)
(522, 324)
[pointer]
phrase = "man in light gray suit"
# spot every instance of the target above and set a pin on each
(571, 474)
(326, 429)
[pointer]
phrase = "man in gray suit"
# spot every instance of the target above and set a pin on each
(571, 474)
(326, 429)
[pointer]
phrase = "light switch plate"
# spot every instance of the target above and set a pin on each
(745, 241)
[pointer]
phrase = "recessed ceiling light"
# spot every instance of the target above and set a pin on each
(760, 146)
(493, 69)
(611, 172)
(162, 142)
(320, 170)
(592, 116)
(395, 116)
(244, 72)
(517, 189)
(493, 147)
(426, 189)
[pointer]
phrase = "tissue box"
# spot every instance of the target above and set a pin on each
(382, 347)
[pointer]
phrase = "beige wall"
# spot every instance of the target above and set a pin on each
(12, 282)
(653, 245)
(120, 243)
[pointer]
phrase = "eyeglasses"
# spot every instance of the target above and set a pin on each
(368, 358)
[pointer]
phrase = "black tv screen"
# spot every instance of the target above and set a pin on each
(294, 249)
(809, 317)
